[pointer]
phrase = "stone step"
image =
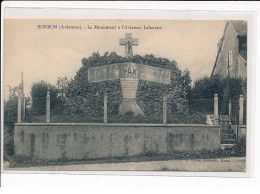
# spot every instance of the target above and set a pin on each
(224, 117)
(227, 131)
(228, 141)
(225, 121)
(223, 127)
(225, 124)
(227, 136)
(223, 146)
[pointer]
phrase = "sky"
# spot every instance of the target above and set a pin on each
(46, 54)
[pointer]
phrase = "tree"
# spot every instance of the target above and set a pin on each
(62, 85)
(206, 87)
(38, 93)
(226, 88)
(10, 118)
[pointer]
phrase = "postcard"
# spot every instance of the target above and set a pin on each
(160, 95)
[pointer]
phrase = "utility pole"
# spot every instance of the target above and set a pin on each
(22, 82)
(23, 98)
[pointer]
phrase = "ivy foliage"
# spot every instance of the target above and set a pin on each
(84, 98)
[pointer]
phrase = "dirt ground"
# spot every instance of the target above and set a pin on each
(235, 164)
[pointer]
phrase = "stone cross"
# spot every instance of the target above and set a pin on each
(128, 41)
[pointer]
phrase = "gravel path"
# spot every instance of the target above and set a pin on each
(236, 164)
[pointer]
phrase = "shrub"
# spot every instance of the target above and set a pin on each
(206, 87)
(240, 148)
(10, 117)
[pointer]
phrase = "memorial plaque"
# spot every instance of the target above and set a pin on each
(129, 70)
(103, 73)
(129, 87)
(154, 74)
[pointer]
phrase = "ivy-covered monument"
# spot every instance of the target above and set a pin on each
(134, 85)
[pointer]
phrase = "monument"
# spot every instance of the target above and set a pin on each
(129, 74)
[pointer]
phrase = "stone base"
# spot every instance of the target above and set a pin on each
(130, 105)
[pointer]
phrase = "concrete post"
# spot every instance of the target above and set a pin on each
(216, 108)
(105, 108)
(19, 109)
(229, 108)
(164, 110)
(48, 107)
(241, 109)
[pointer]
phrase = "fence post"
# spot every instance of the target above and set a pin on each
(216, 108)
(229, 108)
(164, 110)
(241, 109)
(105, 108)
(19, 109)
(48, 104)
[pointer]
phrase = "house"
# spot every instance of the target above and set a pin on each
(231, 57)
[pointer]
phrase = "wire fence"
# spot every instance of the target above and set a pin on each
(175, 111)
(39, 105)
(234, 112)
(202, 105)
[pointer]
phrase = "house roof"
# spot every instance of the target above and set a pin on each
(219, 49)
(239, 26)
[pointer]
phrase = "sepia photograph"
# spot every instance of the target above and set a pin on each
(125, 95)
